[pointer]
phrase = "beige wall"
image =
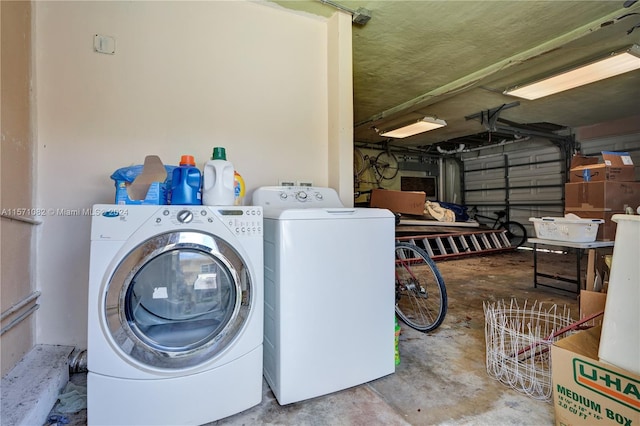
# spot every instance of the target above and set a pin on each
(185, 77)
(340, 90)
(16, 174)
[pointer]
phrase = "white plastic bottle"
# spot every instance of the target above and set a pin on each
(217, 180)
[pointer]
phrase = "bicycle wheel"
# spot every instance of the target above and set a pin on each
(421, 296)
(358, 162)
(386, 165)
(516, 232)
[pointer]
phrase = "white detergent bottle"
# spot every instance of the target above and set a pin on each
(218, 181)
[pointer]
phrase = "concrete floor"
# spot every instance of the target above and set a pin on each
(442, 378)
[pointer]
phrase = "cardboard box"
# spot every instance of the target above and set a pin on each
(407, 202)
(587, 391)
(606, 230)
(616, 166)
(592, 302)
(146, 184)
(601, 195)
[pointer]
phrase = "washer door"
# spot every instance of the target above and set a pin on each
(178, 299)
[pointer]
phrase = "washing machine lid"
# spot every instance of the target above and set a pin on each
(359, 213)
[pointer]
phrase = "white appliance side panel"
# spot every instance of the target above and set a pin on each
(271, 341)
(335, 293)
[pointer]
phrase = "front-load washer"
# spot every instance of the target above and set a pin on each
(175, 317)
(329, 292)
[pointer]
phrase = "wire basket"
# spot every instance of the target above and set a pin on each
(518, 342)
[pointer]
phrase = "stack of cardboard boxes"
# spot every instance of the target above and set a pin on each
(586, 390)
(600, 190)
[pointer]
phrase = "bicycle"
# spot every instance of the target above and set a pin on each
(384, 165)
(516, 232)
(421, 295)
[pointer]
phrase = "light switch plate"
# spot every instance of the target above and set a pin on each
(104, 44)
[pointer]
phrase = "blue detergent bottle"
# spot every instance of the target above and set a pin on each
(186, 180)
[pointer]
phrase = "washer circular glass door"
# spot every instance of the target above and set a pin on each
(178, 299)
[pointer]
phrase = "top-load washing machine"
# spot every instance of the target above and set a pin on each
(329, 292)
(175, 318)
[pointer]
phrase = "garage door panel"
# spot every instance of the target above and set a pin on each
(529, 177)
(526, 177)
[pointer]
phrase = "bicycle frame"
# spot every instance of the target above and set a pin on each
(405, 263)
(497, 220)
(516, 232)
(375, 168)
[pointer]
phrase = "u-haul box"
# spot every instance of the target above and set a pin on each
(589, 392)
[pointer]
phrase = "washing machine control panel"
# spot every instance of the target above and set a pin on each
(184, 216)
(296, 197)
(245, 221)
(240, 220)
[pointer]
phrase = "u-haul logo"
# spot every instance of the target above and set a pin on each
(622, 389)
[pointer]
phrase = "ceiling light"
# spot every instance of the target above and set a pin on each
(424, 125)
(614, 64)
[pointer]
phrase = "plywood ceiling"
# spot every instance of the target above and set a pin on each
(453, 59)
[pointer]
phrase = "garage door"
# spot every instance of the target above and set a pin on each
(524, 178)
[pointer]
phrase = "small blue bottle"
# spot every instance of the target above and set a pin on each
(186, 180)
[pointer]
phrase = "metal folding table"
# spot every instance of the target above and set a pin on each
(579, 246)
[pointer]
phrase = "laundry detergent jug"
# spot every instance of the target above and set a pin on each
(218, 180)
(186, 180)
(239, 189)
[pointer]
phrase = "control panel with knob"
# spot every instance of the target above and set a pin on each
(240, 220)
(293, 197)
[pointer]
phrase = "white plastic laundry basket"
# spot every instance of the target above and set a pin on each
(566, 229)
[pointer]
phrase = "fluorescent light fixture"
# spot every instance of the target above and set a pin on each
(614, 64)
(424, 125)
